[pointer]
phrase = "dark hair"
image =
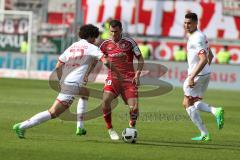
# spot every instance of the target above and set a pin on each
(88, 31)
(115, 23)
(192, 16)
(225, 47)
(145, 42)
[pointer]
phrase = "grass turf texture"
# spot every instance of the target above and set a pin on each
(164, 128)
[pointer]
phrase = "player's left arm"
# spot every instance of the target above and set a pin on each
(61, 62)
(210, 57)
(139, 69)
(138, 55)
(202, 62)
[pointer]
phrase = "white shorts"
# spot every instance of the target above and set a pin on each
(65, 99)
(201, 84)
(68, 94)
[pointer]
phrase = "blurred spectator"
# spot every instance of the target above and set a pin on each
(106, 32)
(224, 56)
(180, 55)
(145, 50)
(46, 46)
(24, 47)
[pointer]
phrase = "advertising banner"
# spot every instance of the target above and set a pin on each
(163, 18)
(222, 76)
(164, 50)
(13, 31)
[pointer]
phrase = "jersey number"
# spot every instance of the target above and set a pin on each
(109, 82)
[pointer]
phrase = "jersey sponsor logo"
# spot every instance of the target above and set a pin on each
(121, 54)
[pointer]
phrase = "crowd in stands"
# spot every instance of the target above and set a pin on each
(45, 43)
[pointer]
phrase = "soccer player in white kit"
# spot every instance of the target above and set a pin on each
(199, 58)
(72, 68)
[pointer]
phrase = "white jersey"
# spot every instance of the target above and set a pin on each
(77, 60)
(197, 43)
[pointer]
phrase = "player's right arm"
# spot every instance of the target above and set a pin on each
(110, 66)
(58, 68)
(202, 52)
(61, 62)
(203, 60)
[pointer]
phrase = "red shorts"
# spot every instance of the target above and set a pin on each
(125, 89)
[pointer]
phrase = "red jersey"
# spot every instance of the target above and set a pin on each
(121, 55)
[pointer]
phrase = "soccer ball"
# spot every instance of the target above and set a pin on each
(129, 135)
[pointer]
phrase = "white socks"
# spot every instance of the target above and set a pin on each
(205, 107)
(196, 119)
(36, 120)
(81, 107)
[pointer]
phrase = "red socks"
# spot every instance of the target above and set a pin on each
(107, 115)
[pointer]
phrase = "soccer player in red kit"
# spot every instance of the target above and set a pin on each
(121, 51)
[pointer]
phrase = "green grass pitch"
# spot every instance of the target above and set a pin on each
(164, 128)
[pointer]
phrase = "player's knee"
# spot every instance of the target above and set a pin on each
(184, 104)
(191, 102)
(106, 102)
(133, 107)
(106, 105)
(188, 102)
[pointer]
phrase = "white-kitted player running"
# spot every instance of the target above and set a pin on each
(199, 57)
(72, 69)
